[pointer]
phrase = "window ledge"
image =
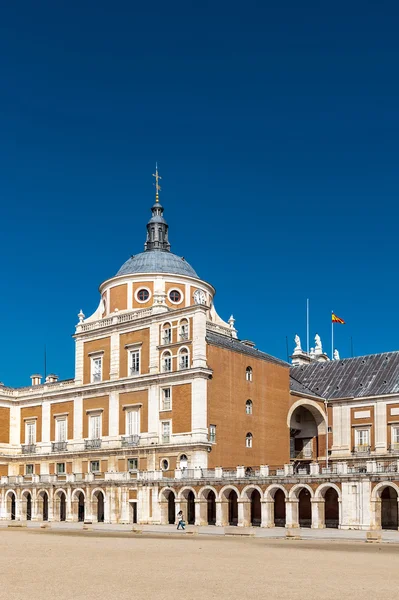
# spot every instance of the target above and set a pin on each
(126, 406)
(94, 410)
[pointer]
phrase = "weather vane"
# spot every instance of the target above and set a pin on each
(157, 186)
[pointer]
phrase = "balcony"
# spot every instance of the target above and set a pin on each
(59, 446)
(130, 440)
(394, 448)
(28, 448)
(92, 444)
(166, 439)
(361, 449)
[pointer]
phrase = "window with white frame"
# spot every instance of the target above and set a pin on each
(248, 374)
(133, 422)
(248, 407)
(362, 438)
(60, 468)
(29, 469)
(166, 399)
(134, 362)
(165, 425)
(167, 334)
(395, 436)
(212, 433)
(132, 464)
(95, 466)
(164, 464)
(30, 432)
(166, 362)
(61, 430)
(183, 332)
(183, 359)
(96, 368)
(248, 440)
(95, 427)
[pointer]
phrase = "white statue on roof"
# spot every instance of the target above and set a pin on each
(318, 346)
(336, 354)
(297, 349)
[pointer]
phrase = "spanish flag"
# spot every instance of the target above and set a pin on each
(336, 319)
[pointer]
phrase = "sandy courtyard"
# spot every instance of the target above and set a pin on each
(45, 564)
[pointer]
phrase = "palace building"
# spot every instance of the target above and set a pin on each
(168, 409)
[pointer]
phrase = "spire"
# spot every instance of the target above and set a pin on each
(157, 227)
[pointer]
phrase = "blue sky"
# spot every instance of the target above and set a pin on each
(275, 127)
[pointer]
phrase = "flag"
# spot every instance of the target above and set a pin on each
(336, 319)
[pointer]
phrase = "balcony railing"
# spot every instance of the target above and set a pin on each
(92, 444)
(361, 449)
(130, 440)
(28, 448)
(394, 448)
(165, 439)
(59, 446)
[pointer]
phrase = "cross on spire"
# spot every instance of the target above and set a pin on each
(157, 186)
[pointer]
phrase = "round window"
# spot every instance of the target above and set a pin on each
(143, 295)
(175, 296)
(164, 464)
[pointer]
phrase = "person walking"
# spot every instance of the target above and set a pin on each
(180, 520)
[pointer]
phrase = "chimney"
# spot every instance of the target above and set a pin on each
(248, 343)
(51, 378)
(36, 379)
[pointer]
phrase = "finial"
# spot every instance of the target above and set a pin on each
(157, 186)
(81, 316)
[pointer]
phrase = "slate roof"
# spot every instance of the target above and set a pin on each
(228, 343)
(372, 375)
(157, 261)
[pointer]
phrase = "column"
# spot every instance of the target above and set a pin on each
(114, 358)
(375, 521)
(221, 513)
(291, 507)
(267, 512)
(69, 513)
(18, 505)
(34, 500)
(154, 353)
(88, 505)
(124, 518)
(199, 338)
(318, 519)
(108, 505)
(244, 513)
(3, 505)
(201, 508)
(380, 431)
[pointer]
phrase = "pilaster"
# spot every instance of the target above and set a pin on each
(78, 418)
(114, 358)
(79, 347)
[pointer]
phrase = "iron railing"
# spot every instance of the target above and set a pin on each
(130, 440)
(361, 449)
(92, 444)
(28, 448)
(59, 446)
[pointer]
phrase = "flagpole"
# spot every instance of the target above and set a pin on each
(307, 325)
(332, 336)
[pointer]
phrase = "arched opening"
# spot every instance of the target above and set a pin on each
(279, 508)
(233, 508)
(307, 427)
(81, 507)
(62, 506)
(183, 462)
(331, 508)
(248, 373)
(11, 506)
(98, 499)
(248, 407)
(389, 508)
(190, 508)
(171, 508)
(45, 506)
(211, 508)
(305, 509)
(256, 516)
(28, 507)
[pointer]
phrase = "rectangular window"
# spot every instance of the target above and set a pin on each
(60, 468)
(29, 470)
(166, 402)
(95, 427)
(183, 360)
(96, 369)
(212, 433)
(30, 432)
(395, 436)
(132, 464)
(167, 336)
(94, 466)
(134, 362)
(132, 422)
(60, 430)
(167, 364)
(165, 432)
(362, 438)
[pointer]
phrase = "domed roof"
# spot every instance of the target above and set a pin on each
(157, 261)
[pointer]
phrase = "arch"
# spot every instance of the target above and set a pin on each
(304, 508)
(208, 494)
(332, 509)
(296, 490)
(98, 500)
(384, 497)
(256, 513)
(322, 489)
(42, 498)
(248, 407)
(183, 328)
(166, 361)
(270, 492)
(376, 493)
(248, 373)
(232, 500)
(26, 505)
(183, 493)
(60, 491)
(224, 492)
(95, 492)
(25, 492)
(248, 440)
(313, 407)
(204, 492)
(183, 358)
(167, 497)
(247, 491)
(78, 504)
(76, 491)
(11, 500)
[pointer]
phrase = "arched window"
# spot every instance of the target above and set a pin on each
(183, 359)
(166, 362)
(166, 333)
(248, 440)
(183, 329)
(248, 374)
(248, 407)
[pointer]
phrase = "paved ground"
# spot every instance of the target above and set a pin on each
(67, 563)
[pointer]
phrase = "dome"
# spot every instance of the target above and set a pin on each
(157, 261)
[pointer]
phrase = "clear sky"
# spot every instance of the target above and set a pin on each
(275, 127)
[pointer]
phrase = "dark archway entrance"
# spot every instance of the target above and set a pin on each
(100, 507)
(62, 507)
(279, 508)
(171, 509)
(81, 507)
(256, 516)
(389, 508)
(190, 508)
(331, 508)
(211, 508)
(45, 507)
(233, 508)
(28, 507)
(305, 509)
(12, 507)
